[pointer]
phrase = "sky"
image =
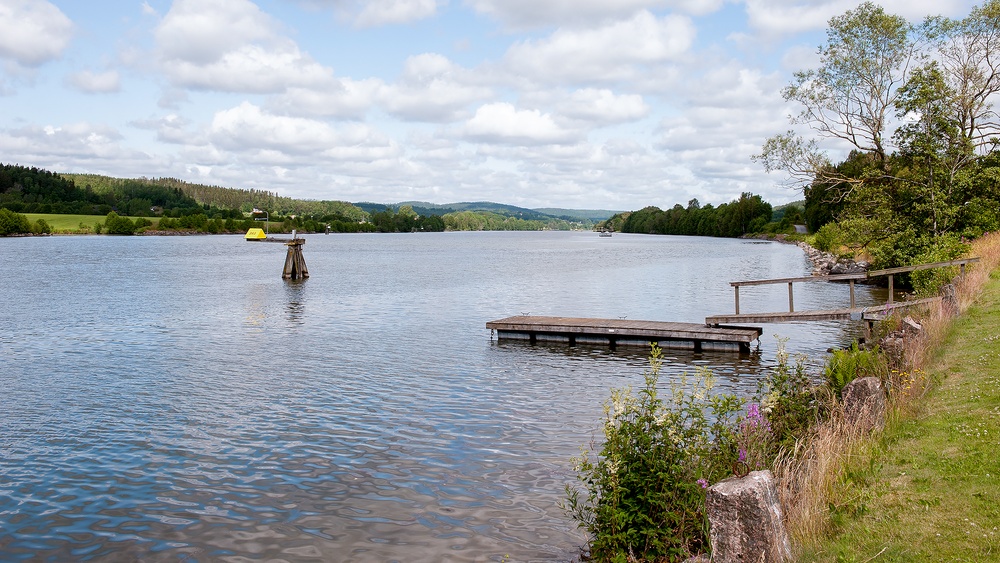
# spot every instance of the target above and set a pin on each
(583, 104)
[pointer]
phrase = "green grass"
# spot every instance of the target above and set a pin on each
(932, 493)
(71, 223)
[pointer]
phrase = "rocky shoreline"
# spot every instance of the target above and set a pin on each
(824, 263)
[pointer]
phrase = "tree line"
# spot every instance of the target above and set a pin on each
(749, 214)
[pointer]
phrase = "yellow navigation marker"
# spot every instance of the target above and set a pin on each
(255, 234)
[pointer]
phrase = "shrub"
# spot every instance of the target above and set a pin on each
(41, 227)
(117, 225)
(789, 400)
(12, 223)
(643, 496)
(944, 248)
(828, 237)
(844, 366)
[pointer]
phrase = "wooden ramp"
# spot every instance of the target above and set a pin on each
(621, 332)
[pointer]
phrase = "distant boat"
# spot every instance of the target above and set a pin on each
(604, 233)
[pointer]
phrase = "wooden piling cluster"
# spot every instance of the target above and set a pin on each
(295, 262)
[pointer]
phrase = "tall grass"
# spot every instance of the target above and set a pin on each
(824, 475)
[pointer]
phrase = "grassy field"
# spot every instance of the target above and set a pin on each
(73, 223)
(932, 491)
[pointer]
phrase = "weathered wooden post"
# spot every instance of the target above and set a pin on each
(295, 263)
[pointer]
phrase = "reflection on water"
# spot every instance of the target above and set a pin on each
(173, 398)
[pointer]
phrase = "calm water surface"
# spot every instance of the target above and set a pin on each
(172, 398)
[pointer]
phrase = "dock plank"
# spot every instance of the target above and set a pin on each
(623, 330)
(856, 313)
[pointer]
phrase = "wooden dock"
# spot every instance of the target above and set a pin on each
(875, 312)
(622, 332)
(852, 312)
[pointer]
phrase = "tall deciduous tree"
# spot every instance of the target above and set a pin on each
(969, 55)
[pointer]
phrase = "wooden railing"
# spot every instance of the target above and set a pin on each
(851, 278)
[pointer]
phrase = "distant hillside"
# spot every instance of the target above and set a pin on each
(424, 209)
(589, 214)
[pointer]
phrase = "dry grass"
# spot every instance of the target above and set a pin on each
(824, 475)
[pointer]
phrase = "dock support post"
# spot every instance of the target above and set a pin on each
(697, 346)
(890, 288)
(737, 299)
(852, 294)
(791, 306)
(295, 263)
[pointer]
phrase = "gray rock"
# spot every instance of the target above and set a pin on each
(864, 403)
(949, 299)
(746, 521)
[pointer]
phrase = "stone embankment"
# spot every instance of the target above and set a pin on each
(828, 264)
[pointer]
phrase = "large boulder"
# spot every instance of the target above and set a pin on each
(864, 403)
(746, 521)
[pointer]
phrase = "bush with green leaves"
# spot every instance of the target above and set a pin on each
(12, 223)
(844, 366)
(828, 237)
(790, 401)
(117, 225)
(929, 282)
(643, 496)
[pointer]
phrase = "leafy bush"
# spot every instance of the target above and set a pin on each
(828, 237)
(944, 248)
(117, 225)
(12, 223)
(844, 366)
(41, 227)
(790, 401)
(643, 496)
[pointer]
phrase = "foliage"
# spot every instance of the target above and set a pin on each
(827, 237)
(790, 401)
(117, 225)
(13, 223)
(642, 497)
(41, 227)
(746, 215)
(844, 366)
(912, 183)
(928, 282)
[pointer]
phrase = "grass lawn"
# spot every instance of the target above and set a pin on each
(933, 492)
(71, 223)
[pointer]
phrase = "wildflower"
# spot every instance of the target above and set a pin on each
(743, 454)
(703, 483)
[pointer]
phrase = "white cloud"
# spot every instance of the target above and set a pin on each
(96, 83)
(338, 98)
(610, 52)
(231, 46)
(785, 17)
(274, 138)
(603, 107)
(502, 123)
(382, 12)
(33, 32)
(524, 14)
(433, 89)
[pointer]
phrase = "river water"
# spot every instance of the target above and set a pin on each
(172, 398)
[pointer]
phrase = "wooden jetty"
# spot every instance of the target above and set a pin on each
(622, 332)
(852, 312)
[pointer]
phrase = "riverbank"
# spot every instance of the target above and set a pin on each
(824, 263)
(929, 489)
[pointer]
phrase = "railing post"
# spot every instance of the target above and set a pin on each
(737, 299)
(791, 306)
(890, 288)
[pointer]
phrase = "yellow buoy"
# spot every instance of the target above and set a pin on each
(255, 234)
